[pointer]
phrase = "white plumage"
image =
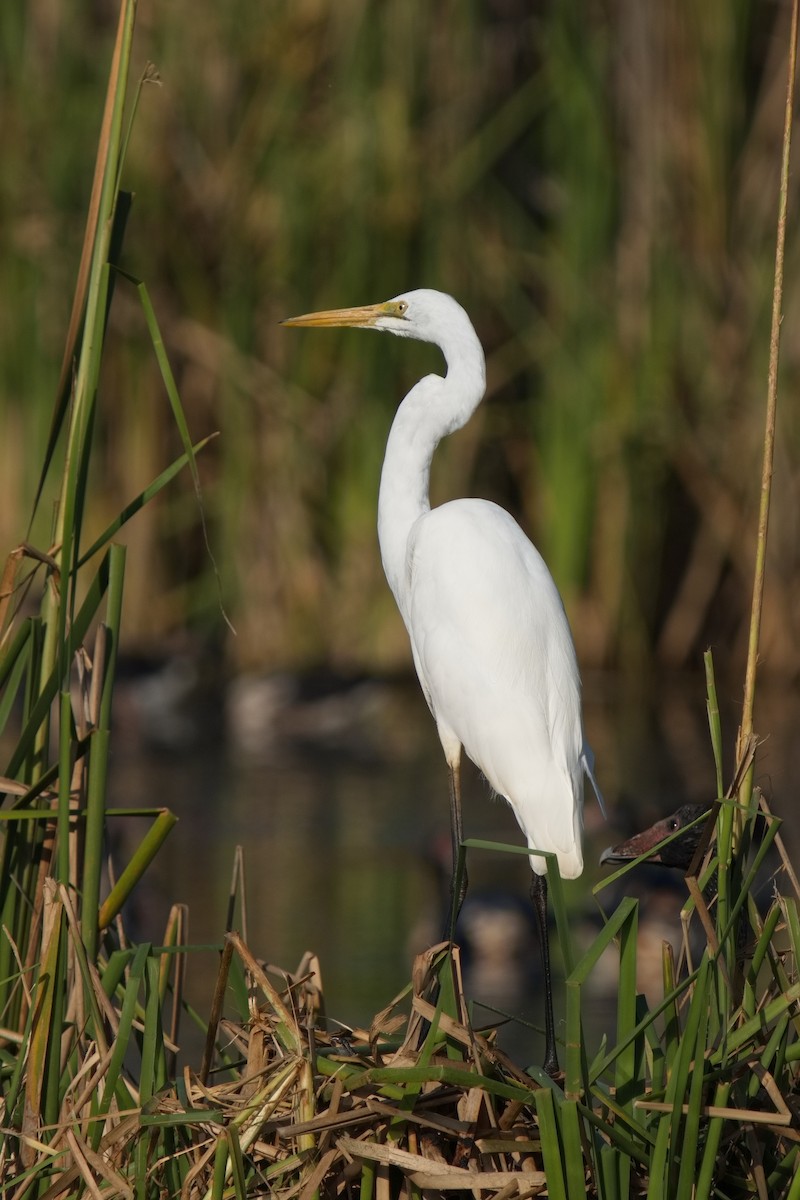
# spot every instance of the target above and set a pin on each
(489, 635)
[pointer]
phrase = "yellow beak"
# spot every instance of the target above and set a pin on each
(363, 317)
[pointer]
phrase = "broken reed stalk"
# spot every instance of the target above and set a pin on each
(746, 727)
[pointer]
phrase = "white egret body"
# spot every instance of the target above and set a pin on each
(489, 635)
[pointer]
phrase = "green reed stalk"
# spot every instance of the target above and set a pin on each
(746, 728)
(59, 600)
(98, 760)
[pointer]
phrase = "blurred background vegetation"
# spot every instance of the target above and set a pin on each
(596, 183)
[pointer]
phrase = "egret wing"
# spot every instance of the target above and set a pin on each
(495, 658)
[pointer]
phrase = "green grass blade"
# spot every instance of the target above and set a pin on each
(220, 1168)
(89, 979)
(94, 838)
(140, 860)
(576, 1070)
(551, 1145)
(98, 231)
(179, 418)
(666, 1158)
(229, 1164)
(772, 1053)
(750, 996)
(168, 379)
(693, 1118)
(49, 687)
(780, 1180)
(41, 1025)
(367, 1184)
(611, 1162)
(672, 1020)
(45, 1066)
(95, 823)
(750, 1030)
(708, 1163)
(13, 662)
(139, 502)
(65, 743)
(714, 724)
(124, 1038)
(626, 1074)
(152, 1075)
(794, 1190)
(569, 1129)
(140, 1168)
(16, 1081)
(73, 492)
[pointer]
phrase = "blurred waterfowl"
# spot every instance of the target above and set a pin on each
(167, 699)
(322, 709)
(489, 636)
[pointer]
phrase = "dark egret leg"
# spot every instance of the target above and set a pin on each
(539, 899)
(457, 835)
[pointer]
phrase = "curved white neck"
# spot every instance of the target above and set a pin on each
(433, 408)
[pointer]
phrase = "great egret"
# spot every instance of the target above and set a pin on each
(489, 635)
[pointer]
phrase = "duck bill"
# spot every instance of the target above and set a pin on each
(362, 318)
(635, 847)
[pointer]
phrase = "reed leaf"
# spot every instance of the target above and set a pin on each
(134, 870)
(13, 665)
(552, 1155)
(35, 722)
(144, 498)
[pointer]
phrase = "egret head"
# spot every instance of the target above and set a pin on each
(424, 314)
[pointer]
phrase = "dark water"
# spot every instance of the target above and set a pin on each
(340, 805)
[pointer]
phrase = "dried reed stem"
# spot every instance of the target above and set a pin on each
(746, 727)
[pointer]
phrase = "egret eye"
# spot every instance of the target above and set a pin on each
(402, 308)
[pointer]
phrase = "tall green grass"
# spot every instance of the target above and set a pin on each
(60, 958)
(594, 186)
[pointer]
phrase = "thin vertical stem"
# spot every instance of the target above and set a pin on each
(746, 728)
(94, 828)
(59, 598)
